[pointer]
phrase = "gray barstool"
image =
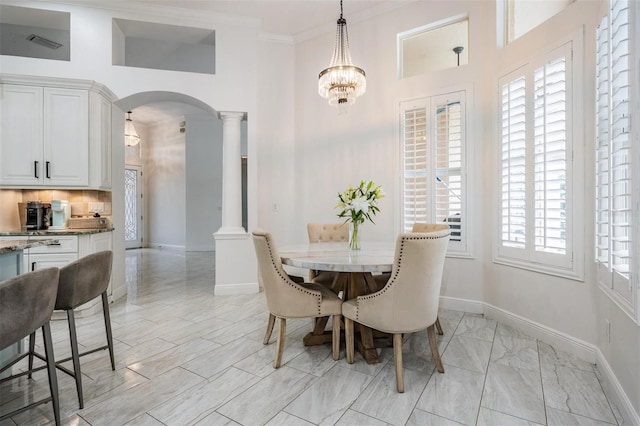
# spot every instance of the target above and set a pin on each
(26, 304)
(82, 281)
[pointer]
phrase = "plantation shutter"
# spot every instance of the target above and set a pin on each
(414, 135)
(448, 159)
(550, 157)
(613, 155)
(513, 162)
(433, 177)
(602, 150)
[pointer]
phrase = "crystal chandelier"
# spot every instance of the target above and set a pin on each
(131, 137)
(342, 82)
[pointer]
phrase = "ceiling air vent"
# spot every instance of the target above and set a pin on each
(43, 41)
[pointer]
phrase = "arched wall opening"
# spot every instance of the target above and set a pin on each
(180, 157)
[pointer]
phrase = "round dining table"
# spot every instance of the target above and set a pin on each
(355, 276)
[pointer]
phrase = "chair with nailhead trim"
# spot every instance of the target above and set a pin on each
(326, 233)
(287, 299)
(409, 300)
(381, 279)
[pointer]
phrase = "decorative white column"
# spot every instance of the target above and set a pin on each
(236, 265)
(231, 173)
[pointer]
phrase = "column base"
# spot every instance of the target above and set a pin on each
(236, 264)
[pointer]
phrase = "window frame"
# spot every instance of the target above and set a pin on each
(571, 264)
(462, 248)
(609, 281)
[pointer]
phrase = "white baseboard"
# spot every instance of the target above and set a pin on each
(614, 389)
(239, 288)
(465, 305)
(557, 339)
(163, 246)
(201, 247)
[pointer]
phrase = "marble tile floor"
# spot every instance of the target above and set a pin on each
(187, 357)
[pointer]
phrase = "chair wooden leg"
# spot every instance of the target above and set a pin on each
(397, 355)
(107, 328)
(439, 327)
(270, 324)
(348, 334)
(282, 330)
(336, 337)
(77, 374)
(433, 342)
(32, 349)
(51, 371)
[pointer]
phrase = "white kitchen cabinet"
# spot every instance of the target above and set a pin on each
(55, 133)
(68, 249)
(44, 136)
(99, 141)
(21, 134)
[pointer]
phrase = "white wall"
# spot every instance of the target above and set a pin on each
(332, 151)
(203, 181)
(279, 208)
(165, 181)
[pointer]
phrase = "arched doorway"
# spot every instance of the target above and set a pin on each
(175, 171)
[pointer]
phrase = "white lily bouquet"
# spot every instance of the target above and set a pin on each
(357, 205)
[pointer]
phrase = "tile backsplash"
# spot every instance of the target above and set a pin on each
(78, 199)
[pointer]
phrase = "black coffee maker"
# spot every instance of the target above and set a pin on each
(38, 215)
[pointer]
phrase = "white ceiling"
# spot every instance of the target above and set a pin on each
(290, 18)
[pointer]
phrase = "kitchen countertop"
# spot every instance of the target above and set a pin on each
(47, 233)
(10, 246)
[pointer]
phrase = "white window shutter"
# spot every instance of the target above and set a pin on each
(614, 163)
(414, 186)
(550, 157)
(433, 162)
(513, 162)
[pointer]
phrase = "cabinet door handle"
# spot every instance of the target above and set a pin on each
(33, 266)
(47, 168)
(36, 165)
(55, 244)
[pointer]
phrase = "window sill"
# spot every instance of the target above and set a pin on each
(540, 268)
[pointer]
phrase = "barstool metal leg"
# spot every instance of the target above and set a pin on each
(51, 370)
(32, 349)
(107, 327)
(77, 374)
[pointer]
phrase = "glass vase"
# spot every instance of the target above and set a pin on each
(354, 236)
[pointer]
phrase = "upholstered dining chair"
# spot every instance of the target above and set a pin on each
(81, 281)
(287, 299)
(26, 304)
(381, 279)
(409, 300)
(326, 233)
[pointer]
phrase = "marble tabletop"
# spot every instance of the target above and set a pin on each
(9, 246)
(337, 257)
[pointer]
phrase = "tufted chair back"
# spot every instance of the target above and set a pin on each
(409, 301)
(286, 298)
(328, 232)
(428, 227)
